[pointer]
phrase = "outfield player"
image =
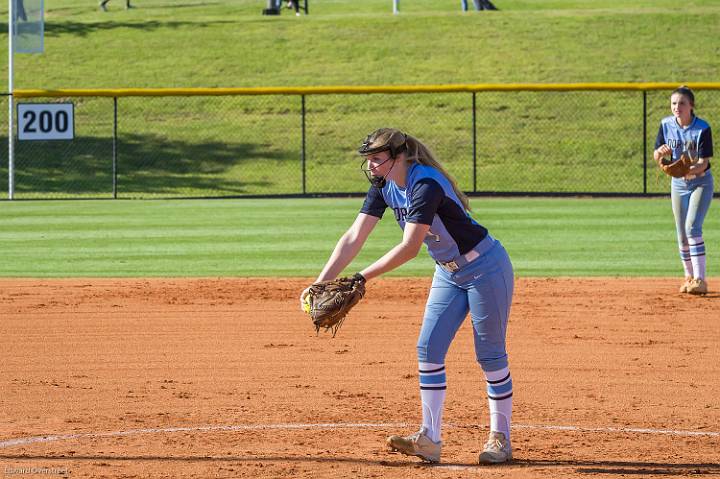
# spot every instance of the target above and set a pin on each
(691, 196)
(473, 274)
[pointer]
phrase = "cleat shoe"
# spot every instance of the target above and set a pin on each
(686, 284)
(697, 286)
(103, 7)
(497, 449)
(418, 444)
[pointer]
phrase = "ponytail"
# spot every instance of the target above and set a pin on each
(417, 152)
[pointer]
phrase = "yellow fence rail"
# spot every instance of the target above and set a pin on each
(361, 90)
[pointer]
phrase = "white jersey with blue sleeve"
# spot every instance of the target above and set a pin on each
(428, 198)
(697, 134)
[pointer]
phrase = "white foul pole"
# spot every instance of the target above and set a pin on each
(396, 7)
(11, 101)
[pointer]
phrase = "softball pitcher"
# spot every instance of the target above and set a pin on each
(683, 132)
(473, 273)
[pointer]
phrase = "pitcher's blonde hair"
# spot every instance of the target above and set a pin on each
(416, 152)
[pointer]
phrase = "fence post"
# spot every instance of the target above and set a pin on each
(114, 149)
(474, 137)
(11, 145)
(11, 102)
(302, 151)
(644, 142)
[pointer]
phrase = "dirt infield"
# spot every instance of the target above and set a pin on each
(210, 378)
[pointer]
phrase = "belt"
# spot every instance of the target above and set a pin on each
(692, 177)
(458, 262)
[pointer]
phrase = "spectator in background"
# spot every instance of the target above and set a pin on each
(479, 5)
(103, 5)
(294, 4)
(20, 11)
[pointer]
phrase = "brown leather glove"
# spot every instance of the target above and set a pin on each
(328, 302)
(678, 168)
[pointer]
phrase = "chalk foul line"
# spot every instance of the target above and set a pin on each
(21, 441)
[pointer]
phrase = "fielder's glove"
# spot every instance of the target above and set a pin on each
(678, 168)
(328, 302)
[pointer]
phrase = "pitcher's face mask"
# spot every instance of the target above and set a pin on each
(378, 181)
(366, 150)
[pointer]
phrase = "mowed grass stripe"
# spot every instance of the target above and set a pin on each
(294, 237)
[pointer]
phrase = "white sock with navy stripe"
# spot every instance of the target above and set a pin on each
(432, 393)
(686, 261)
(499, 391)
(697, 256)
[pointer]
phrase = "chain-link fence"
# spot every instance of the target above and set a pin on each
(303, 143)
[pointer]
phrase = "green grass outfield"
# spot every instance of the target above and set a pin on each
(294, 237)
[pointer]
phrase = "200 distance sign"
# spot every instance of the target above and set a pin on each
(45, 121)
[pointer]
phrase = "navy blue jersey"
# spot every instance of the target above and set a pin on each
(429, 199)
(676, 137)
